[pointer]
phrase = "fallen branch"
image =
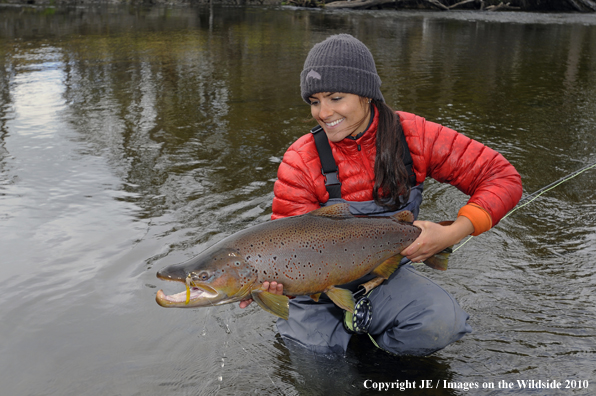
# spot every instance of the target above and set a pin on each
(438, 4)
(501, 7)
(583, 5)
(358, 4)
(461, 3)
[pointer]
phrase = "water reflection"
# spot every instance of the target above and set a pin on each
(132, 138)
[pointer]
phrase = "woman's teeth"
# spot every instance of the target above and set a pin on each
(334, 123)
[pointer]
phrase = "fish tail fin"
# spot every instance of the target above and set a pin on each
(275, 304)
(439, 261)
(343, 298)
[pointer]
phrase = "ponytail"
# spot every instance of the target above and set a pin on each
(391, 188)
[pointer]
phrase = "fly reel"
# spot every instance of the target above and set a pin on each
(359, 321)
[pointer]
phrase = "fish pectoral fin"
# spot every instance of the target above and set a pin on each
(388, 267)
(439, 261)
(315, 297)
(343, 298)
(276, 304)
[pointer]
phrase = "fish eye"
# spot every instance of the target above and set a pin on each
(203, 276)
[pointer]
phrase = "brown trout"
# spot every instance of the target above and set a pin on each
(309, 254)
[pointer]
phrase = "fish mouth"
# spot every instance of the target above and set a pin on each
(196, 296)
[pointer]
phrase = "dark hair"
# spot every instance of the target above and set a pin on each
(391, 188)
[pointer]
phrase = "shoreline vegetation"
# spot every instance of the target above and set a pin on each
(446, 5)
(582, 6)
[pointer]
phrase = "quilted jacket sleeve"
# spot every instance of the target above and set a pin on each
(450, 157)
(295, 189)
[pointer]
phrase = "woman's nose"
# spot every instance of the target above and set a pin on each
(325, 111)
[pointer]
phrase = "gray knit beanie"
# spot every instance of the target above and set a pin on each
(341, 63)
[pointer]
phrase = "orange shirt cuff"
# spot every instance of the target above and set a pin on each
(479, 217)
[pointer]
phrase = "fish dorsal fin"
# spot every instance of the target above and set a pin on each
(337, 211)
(388, 266)
(276, 304)
(343, 298)
(405, 216)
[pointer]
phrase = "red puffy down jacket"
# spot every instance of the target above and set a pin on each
(438, 152)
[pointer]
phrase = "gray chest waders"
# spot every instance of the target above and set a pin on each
(359, 321)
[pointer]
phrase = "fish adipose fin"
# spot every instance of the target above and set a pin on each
(388, 267)
(276, 304)
(343, 298)
(315, 297)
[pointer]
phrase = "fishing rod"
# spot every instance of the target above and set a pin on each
(360, 320)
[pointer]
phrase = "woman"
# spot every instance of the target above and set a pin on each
(412, 315)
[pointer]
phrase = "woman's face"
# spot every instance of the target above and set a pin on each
(340, 114)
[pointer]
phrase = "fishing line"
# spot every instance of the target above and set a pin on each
(532, 197)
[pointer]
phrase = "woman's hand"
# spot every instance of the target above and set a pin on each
(271, 287)
(436, 237)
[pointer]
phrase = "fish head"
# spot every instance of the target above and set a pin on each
(215, 277)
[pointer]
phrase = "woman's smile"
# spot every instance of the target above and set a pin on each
(334, 123)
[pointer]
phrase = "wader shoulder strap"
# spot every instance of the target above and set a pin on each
(329, 167)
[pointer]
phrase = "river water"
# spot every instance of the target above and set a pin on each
(134, 138)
